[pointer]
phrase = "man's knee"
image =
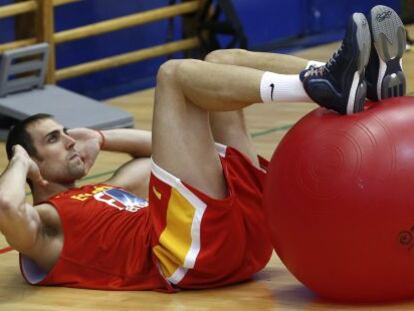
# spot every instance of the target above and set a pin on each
(168, 71)
(174, 70)
(229, 56)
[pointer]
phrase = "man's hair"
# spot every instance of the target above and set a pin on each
(19, 135)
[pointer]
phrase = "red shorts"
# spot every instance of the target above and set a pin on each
(204, 242)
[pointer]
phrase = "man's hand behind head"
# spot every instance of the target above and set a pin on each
(33, 172)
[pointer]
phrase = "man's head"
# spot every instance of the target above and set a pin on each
(49, 145)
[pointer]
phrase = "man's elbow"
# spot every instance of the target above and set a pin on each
(6, 211)
(6, 204)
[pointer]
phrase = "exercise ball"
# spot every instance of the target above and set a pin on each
(339, 201)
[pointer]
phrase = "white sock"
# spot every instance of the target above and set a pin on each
(314, 63)
(282, 88)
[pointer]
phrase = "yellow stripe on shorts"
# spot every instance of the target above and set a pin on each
(179, 243)
(175, 240)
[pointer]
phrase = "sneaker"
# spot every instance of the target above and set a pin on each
(340, 85)
(384, 74)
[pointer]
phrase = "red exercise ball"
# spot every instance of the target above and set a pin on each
(339, 200)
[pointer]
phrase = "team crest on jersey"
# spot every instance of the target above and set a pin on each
(121, 200)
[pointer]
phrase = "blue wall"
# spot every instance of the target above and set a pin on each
(275, 21)
(6, 25)
(267, 23)
(113, 81)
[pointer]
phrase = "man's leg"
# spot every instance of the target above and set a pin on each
(274, 62)
(182, 140)
(229, 128)
(183, 143)
(183, 146)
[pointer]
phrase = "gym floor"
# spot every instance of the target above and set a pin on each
(272, 289)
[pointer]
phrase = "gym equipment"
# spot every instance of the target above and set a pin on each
(339, 202)
(23, 93)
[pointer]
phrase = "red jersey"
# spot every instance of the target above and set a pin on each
(107, 242)
(114, 240)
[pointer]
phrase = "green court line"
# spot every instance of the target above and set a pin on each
(97, 175)
(272, 130)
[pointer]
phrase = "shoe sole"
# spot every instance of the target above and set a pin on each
(389, 37)
(362, 41)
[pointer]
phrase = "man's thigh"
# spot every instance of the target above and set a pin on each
(229, 128)
(183, 143)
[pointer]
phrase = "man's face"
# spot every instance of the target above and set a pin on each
(57, 159)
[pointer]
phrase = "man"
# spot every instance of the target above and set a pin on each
(204, 225)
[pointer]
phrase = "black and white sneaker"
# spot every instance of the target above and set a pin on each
(340, 84)
(384, 74)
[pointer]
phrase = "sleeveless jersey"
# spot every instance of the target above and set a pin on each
(183, 239)
(107, 242)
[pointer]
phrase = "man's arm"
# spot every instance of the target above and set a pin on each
(135, 142)
(133, 175)
(19, 221)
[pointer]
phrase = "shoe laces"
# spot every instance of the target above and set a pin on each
(315, 71)
(333, 60)
(319, 71)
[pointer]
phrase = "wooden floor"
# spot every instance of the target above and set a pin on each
(272, 289)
